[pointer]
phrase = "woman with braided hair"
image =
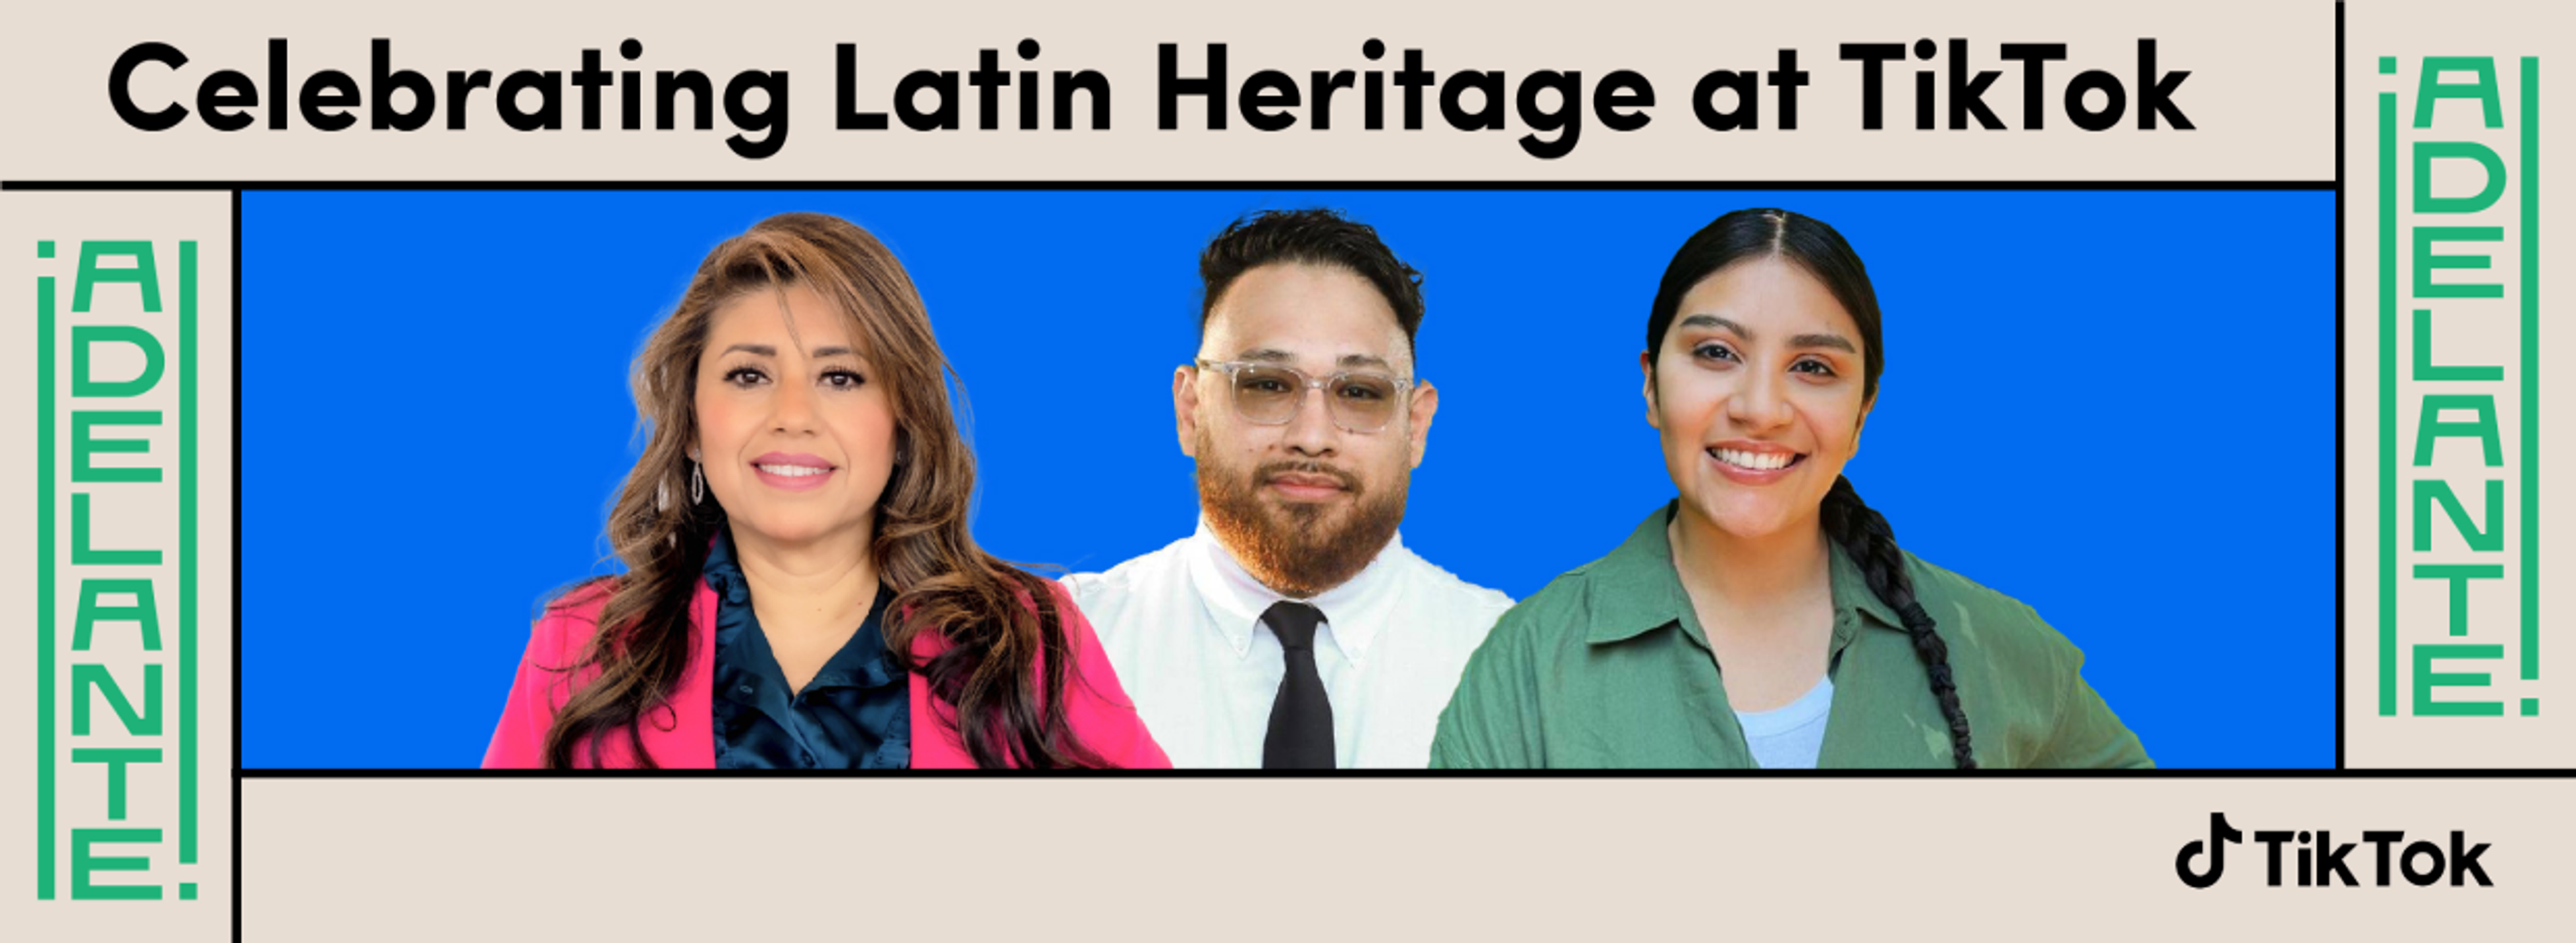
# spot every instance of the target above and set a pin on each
(1767, 617)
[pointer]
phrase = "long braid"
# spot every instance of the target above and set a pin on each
(1864, 534)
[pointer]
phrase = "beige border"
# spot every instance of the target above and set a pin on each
(2467, 332)
(1636, 859)
(143, 511)
(444, 859)
(2257, 92)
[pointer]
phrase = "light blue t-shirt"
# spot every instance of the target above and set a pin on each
(1789, 736)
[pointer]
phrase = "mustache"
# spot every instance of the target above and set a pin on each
(1269, 470)
(1298, 549)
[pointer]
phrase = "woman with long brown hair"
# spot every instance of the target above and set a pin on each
(796, 544)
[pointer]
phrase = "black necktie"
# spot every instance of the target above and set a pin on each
(1301, 719)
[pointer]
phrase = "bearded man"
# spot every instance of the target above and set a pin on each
(1293, 630)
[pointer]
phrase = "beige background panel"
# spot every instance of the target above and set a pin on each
(1609, 859)
(164, 218)
(2549, 740)
(404, 859)
(2259, 91)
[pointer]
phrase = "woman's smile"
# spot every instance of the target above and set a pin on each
(1747, 462)
(792, 471)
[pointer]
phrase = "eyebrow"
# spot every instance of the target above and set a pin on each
(1275, 355)
(764, 350)
(1831, 341)
(1711, 320)
(1834, 341)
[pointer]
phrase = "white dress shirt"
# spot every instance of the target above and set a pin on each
(1183, 627)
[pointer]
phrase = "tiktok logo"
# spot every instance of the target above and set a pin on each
(2221, 835)
(2322, 862)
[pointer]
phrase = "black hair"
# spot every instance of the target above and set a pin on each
(1863, 533)
(1311, 237)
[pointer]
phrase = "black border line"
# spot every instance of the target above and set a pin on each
(1179, 185)
(236, 250)
(2319, 773)
(2339, 551)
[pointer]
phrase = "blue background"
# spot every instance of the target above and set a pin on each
(2116, 407)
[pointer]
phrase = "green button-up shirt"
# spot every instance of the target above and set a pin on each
(1607, 667)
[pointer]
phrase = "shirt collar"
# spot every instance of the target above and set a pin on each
(1637, 590)
(863, 661)
(722, 574)
(1235, 600)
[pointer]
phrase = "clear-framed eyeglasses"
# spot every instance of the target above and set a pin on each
(1270, 394)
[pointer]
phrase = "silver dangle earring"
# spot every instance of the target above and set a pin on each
(697, 485)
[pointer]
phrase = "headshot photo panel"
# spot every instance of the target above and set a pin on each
(1293, 629)
(1298, 479)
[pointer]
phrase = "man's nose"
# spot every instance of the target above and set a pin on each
(1310, 429)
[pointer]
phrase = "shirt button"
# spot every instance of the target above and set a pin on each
(746, 689)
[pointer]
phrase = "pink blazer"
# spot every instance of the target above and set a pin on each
(681, 733)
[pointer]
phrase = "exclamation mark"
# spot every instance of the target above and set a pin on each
(45, 577)
(2388, 394)
(2530, 378)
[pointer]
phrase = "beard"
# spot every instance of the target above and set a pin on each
(1296, 548)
